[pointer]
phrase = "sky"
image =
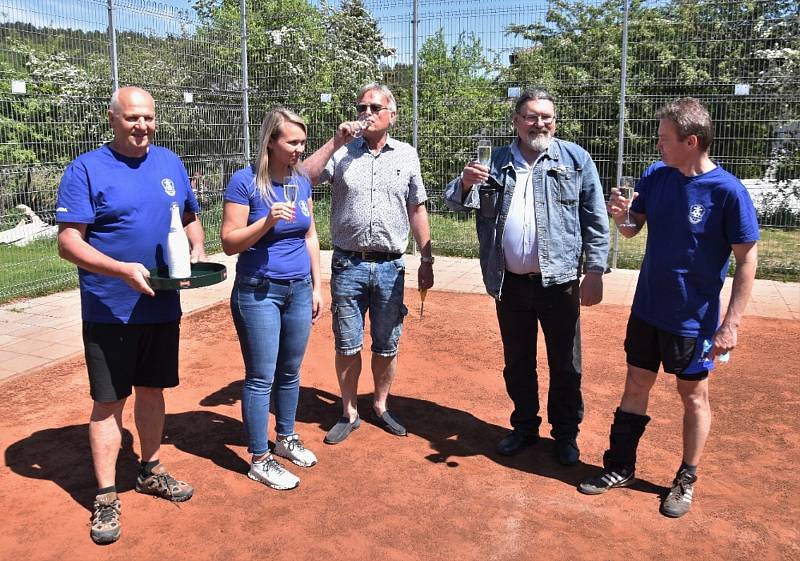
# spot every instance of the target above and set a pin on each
(394, 17)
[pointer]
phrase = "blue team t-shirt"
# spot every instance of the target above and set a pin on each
(125, 203)
(281, 253)
(691, 224)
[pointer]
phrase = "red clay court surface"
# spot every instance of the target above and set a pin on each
(440, 493)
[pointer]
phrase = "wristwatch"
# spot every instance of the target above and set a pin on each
(424, 259)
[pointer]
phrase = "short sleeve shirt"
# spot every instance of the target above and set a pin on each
(125, 203)
(692, 222)
(370, 195)
(281, 253)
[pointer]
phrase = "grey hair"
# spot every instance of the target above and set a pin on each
(375, 86)
(533, 94)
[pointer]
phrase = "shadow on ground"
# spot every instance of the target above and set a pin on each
(452, 433)
(62, 455)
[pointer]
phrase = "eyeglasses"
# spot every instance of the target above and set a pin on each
(374, 107)
(532, 118)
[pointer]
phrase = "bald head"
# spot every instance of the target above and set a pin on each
(132, 116)
(123, 96)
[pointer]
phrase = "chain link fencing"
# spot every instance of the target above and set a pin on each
(60, 61)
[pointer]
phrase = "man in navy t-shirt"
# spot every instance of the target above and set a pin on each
(697, 214)
(114, 215)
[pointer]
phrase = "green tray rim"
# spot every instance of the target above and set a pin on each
(203, 274)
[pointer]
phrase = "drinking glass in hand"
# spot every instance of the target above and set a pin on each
(361, 124)
(485, 153)
(626, 189)
(290, 191)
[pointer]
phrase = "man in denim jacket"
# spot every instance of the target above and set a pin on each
(541, 221)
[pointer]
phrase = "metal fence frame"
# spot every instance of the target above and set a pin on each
(228, 103)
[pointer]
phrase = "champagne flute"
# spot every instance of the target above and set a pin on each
(485, 153)
(363, 123)
(626, 189)
(290, 189)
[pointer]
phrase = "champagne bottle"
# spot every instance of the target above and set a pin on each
(178, 259)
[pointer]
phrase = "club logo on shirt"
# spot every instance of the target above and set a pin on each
(696, 213)
(169, 186)
(304, 208)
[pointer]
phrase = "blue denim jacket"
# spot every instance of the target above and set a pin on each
(571, 217)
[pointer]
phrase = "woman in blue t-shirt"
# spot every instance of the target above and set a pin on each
(277, 294)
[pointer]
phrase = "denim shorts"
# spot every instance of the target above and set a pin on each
(357, 286)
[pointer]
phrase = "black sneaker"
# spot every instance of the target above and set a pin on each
(679, 499)
(106, 527)
(608, 479)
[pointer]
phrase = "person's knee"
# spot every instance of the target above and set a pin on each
(694, 395)
(145, 392)
(102, 410)
(638, 384)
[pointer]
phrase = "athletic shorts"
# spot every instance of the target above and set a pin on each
(121, 356)
(647, 347)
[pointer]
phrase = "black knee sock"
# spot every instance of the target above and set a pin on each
(104, 490)
(626, 430)
(147, 467)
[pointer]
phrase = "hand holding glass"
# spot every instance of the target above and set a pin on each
(626, 189)
(360, 126)
(290, 191)
(485, 154)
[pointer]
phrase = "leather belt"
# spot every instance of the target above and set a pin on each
(526, 276)
(370, 255)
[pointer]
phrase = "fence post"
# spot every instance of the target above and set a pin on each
(245, 82)
(623, 80)
(112, 36)
(414, 92)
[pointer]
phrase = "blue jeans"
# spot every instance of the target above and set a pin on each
(358, 286)
(273, 322)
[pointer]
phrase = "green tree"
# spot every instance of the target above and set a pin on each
(459, 100)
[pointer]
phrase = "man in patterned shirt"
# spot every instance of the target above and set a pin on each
(376, 196)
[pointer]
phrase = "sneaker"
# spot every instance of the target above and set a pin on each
(679, 499)
(272, 474)
(161, 484)
(106, 527)
(608, 479)
(291, 448)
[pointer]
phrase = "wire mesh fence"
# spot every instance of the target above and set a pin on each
(59, 59)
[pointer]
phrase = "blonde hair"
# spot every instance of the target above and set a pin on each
(271, 129)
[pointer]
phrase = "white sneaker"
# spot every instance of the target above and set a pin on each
(291, 448)
(269, 472)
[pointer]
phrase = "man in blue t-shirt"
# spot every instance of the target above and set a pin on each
(114, 209)
(697, 214)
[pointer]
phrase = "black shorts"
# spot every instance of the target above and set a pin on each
(647, 346)
(122, 356)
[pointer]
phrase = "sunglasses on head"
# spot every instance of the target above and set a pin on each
(374, 107)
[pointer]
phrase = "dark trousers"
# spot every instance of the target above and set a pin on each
(525, 304)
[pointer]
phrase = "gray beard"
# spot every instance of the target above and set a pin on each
(540, 142)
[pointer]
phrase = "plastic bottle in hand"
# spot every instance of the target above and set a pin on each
(178, 259)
